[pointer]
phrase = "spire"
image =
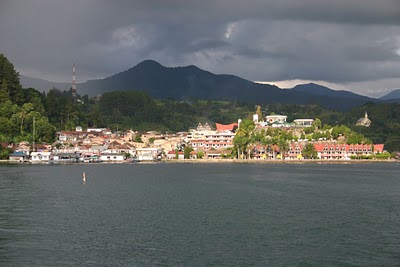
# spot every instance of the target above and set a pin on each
(259, 113)
(366, 115)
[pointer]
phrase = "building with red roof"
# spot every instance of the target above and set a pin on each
(345, 151)
(325, 151)
(205, 138)
(226, 127)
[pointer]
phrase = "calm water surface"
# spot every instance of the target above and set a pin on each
(200, 215)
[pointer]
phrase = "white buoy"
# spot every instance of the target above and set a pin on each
(84, 177)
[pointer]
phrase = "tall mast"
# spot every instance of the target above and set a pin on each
(73, 81)
(33, 135)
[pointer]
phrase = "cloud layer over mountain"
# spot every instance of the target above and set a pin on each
(353, 44)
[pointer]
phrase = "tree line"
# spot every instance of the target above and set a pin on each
(58, 110)
(248, 136)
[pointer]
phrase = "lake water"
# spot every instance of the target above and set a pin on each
(200, 215)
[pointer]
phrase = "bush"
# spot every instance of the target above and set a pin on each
(200, 154)
(384, 155)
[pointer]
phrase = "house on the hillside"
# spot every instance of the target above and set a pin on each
(276, 118)
(148, 153)
(193, 154)
(294, 152)
(304, 122)
(18, 156)
(217, 154)
(259, 152)
(203, 127)
(332, 151)
(172, 155)
(65, 157)
(112, 157)
(364, 121)
(226, 127)
(23, 146)
(41, 156)
(335, 151)
(221, 138)
(265, 152)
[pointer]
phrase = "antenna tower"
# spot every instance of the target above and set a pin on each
(73, 81)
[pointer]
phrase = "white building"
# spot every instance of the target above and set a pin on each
(148, 153)
(276, 118)
(112, 157)
(206, 139)
(40, 156)
(304, 122)
(97, 130)
(255, 118)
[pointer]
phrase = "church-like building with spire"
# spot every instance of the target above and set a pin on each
(364, 121)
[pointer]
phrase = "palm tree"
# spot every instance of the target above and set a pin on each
(283, 147)
(242, 138)
(257, 139)
(266, 142)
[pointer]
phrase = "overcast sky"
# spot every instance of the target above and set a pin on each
(346, 44)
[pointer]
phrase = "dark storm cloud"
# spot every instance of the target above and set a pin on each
(199, 45)
(336, 41)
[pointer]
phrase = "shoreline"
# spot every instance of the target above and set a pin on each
(308, 161)
(221, 161)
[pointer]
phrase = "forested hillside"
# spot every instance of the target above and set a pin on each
(120, 110)
(192, 82)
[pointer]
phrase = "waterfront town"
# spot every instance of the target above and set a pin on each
(205, 142)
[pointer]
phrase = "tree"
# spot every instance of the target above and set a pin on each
(44, 131)
(4, 92)
(317, 123)
(8, 108)
(33, 96)
(243, 137)
(138, 139)
(309, 151)
(20, 116)
(186, 152)
(283, 147)
(5, 152)
(259, 113)
(10, 84)
(6, 127)
(200, 154)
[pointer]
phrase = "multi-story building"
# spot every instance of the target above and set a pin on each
(325, 151)
(205, 138)
(345, 151)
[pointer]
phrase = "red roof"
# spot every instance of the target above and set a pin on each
(378, 147)
(358, 147)
(229, 127)
(172, 152)
(4, 145)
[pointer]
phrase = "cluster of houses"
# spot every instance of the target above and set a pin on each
(325, 151)
(102, 145)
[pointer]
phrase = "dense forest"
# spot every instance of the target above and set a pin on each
(21, 109)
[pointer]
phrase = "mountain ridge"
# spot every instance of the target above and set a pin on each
(393, 95)
(41, 84)
(184, 82)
